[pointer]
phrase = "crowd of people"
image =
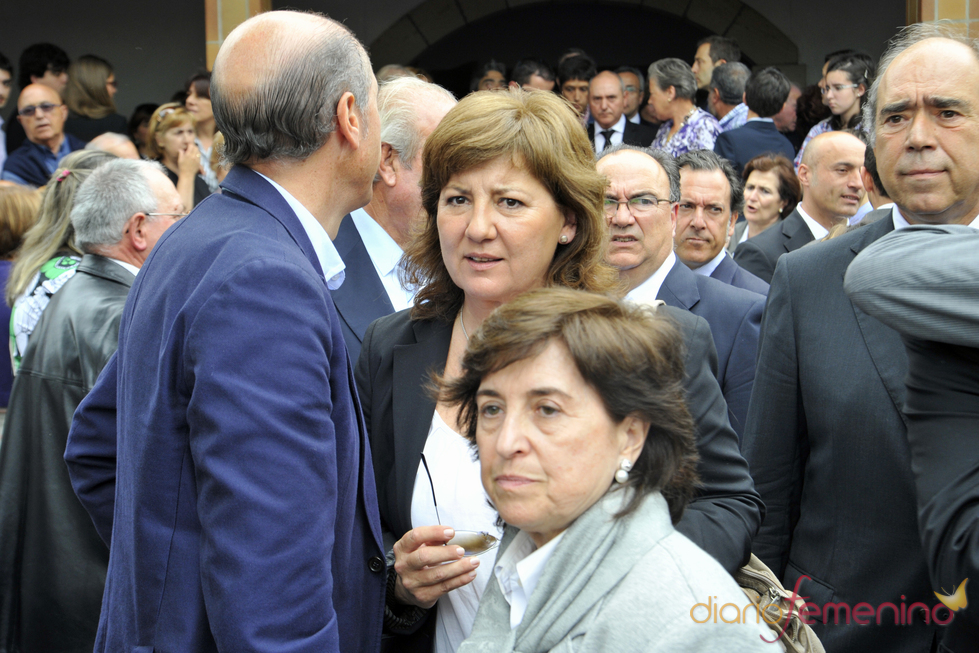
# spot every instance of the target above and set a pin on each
(313, 358)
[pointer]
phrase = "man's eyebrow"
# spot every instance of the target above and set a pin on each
(946, 102)
(895, 107)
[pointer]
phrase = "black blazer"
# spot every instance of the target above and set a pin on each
(734, 316)
(392, 373)
(827, 446)
(361, 298)
(633, 134)
(744, 143)
(758, 255)
(733, 274)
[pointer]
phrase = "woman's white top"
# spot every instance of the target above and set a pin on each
(462, 505)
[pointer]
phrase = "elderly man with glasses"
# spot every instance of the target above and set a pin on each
(42, 114)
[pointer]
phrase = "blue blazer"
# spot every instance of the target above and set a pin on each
(245, 512)
(734, 316)
(734, 275)
(744, 143)
(361, 298)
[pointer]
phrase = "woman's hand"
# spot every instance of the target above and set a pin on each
(189, 161)
(426, 569)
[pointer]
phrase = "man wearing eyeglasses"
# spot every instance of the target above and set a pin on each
(42, 114)
(52, 602)
(641, 205)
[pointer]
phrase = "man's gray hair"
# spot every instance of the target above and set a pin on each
(676, 73)
(907, 37)
(397, 103)
(730, 79)
(664, 159)
(112, 194)
(639, 76)
(708, 161)
(292, 111)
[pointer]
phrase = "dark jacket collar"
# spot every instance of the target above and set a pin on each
(679, 288)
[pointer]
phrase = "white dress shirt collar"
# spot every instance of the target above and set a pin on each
(385, 254)
(708, 268)
(618, 128)
(125, 266)
(817, 230)
(900, 222)
(645, 293)
(518, 571)
(327, 254)
(636, 119)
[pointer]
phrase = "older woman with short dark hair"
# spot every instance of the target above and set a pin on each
(771, 193)
(577, 407)
(672, 89)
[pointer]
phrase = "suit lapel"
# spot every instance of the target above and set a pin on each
(726, 270)
(679, 289)
(362, 298)
(412, 405)
(884, 344)
(252, 187)
(796, 232)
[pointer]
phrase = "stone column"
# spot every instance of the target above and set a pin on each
(222, 16)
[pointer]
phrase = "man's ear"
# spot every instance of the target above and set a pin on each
(350, 124)
(804, 175)
(390, 165)
(133, 233)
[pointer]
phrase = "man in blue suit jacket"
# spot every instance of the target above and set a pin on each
(371, 240)
(244, 514)
(711, 197)
(765, 93)
(642, 249)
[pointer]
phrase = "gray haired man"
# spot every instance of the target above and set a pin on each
(53, 599)
(371, 240)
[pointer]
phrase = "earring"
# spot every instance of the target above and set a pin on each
(564, 240)
(622, 475)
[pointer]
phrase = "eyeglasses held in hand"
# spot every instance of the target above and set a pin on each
(45, 107)
(473, 543)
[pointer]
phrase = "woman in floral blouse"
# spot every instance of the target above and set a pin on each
(671, 96)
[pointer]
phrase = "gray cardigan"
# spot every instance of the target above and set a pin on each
(620, 585)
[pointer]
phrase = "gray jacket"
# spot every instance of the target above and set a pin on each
(621, 585)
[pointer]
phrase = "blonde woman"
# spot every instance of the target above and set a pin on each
(171, 142)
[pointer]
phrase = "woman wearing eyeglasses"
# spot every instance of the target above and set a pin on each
(89, 96)
(848, 77)
(171, 142)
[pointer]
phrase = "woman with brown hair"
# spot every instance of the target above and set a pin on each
(89, 96)
(577, 407)
(771, 192)
(513, 203)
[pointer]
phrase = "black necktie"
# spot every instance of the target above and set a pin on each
(608, 138)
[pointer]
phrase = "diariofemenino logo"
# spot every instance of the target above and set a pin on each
(863, 614)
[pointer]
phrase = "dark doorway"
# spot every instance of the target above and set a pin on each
(614, 35)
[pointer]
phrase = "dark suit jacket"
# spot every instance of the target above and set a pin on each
(244, 507)
(733, 274)
(632, 135)
(53, 559)
(361, 297)
(758, 255)
(392, 375)
(734, 316)
(827, 446)
(744, 143)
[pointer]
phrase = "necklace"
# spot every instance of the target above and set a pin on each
(463, 323)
